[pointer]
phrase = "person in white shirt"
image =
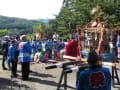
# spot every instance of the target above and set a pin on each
(44, 46)
(55, 36)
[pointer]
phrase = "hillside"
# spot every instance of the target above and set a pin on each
(18, 24)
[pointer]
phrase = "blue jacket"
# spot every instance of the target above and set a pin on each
(55, 46)
(39, 46)
(17, 45)
(34, 46)
(11, 53)
(61, 46)
(94, 79)
(50, 44)
(46, 46)
(25, 51)
(118, 41)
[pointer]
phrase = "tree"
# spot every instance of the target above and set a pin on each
(73, 11)
(4, 31)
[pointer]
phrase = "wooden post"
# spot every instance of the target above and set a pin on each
(79, 52)
(100, 37)
(115, 44)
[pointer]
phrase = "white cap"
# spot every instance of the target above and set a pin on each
(21, 37)
(6, 37)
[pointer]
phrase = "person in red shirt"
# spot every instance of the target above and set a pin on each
(71, 48)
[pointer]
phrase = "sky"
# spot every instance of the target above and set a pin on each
(30, 9)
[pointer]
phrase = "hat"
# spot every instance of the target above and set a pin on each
(6, 38)
(92, 57)
(21, 38)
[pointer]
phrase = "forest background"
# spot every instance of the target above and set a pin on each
(73, 12)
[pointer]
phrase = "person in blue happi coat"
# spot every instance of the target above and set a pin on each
(118, 45)
(12, 59)
(44, 46)
(95, 77)
(39, 46)
(34, 47)
(47, 47)
(25, 51)
(50, 44)
(61, 45)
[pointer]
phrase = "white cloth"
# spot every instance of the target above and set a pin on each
(55, 37)
(43, 46)
(111, 45)
(21, 37)
(118, 52)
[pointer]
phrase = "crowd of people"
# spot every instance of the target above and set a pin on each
(14, 48)
(49, 47)
(18, 47)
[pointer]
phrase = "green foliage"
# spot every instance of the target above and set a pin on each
(49, 28)
(65, 22)
(2, 32)
(29, 37)
(73, 11)
(35, 28)
(17, 25)
(40, 27)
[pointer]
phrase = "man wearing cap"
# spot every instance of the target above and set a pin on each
(55, 36)
(4, 51)
(25, 51)
(95, 77)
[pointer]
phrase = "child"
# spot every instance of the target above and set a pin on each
(55, 49)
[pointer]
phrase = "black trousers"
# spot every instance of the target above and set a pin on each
(25, 70)
(14, 67)
(4, 59)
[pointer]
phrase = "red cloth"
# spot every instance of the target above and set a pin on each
(71, 48)
(55, 53)
(45, 58)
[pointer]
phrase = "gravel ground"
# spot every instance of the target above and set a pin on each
(40, 79)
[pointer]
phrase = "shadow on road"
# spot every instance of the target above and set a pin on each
(41, 75)
(8, 84)
(47, 82)
(33, 73)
